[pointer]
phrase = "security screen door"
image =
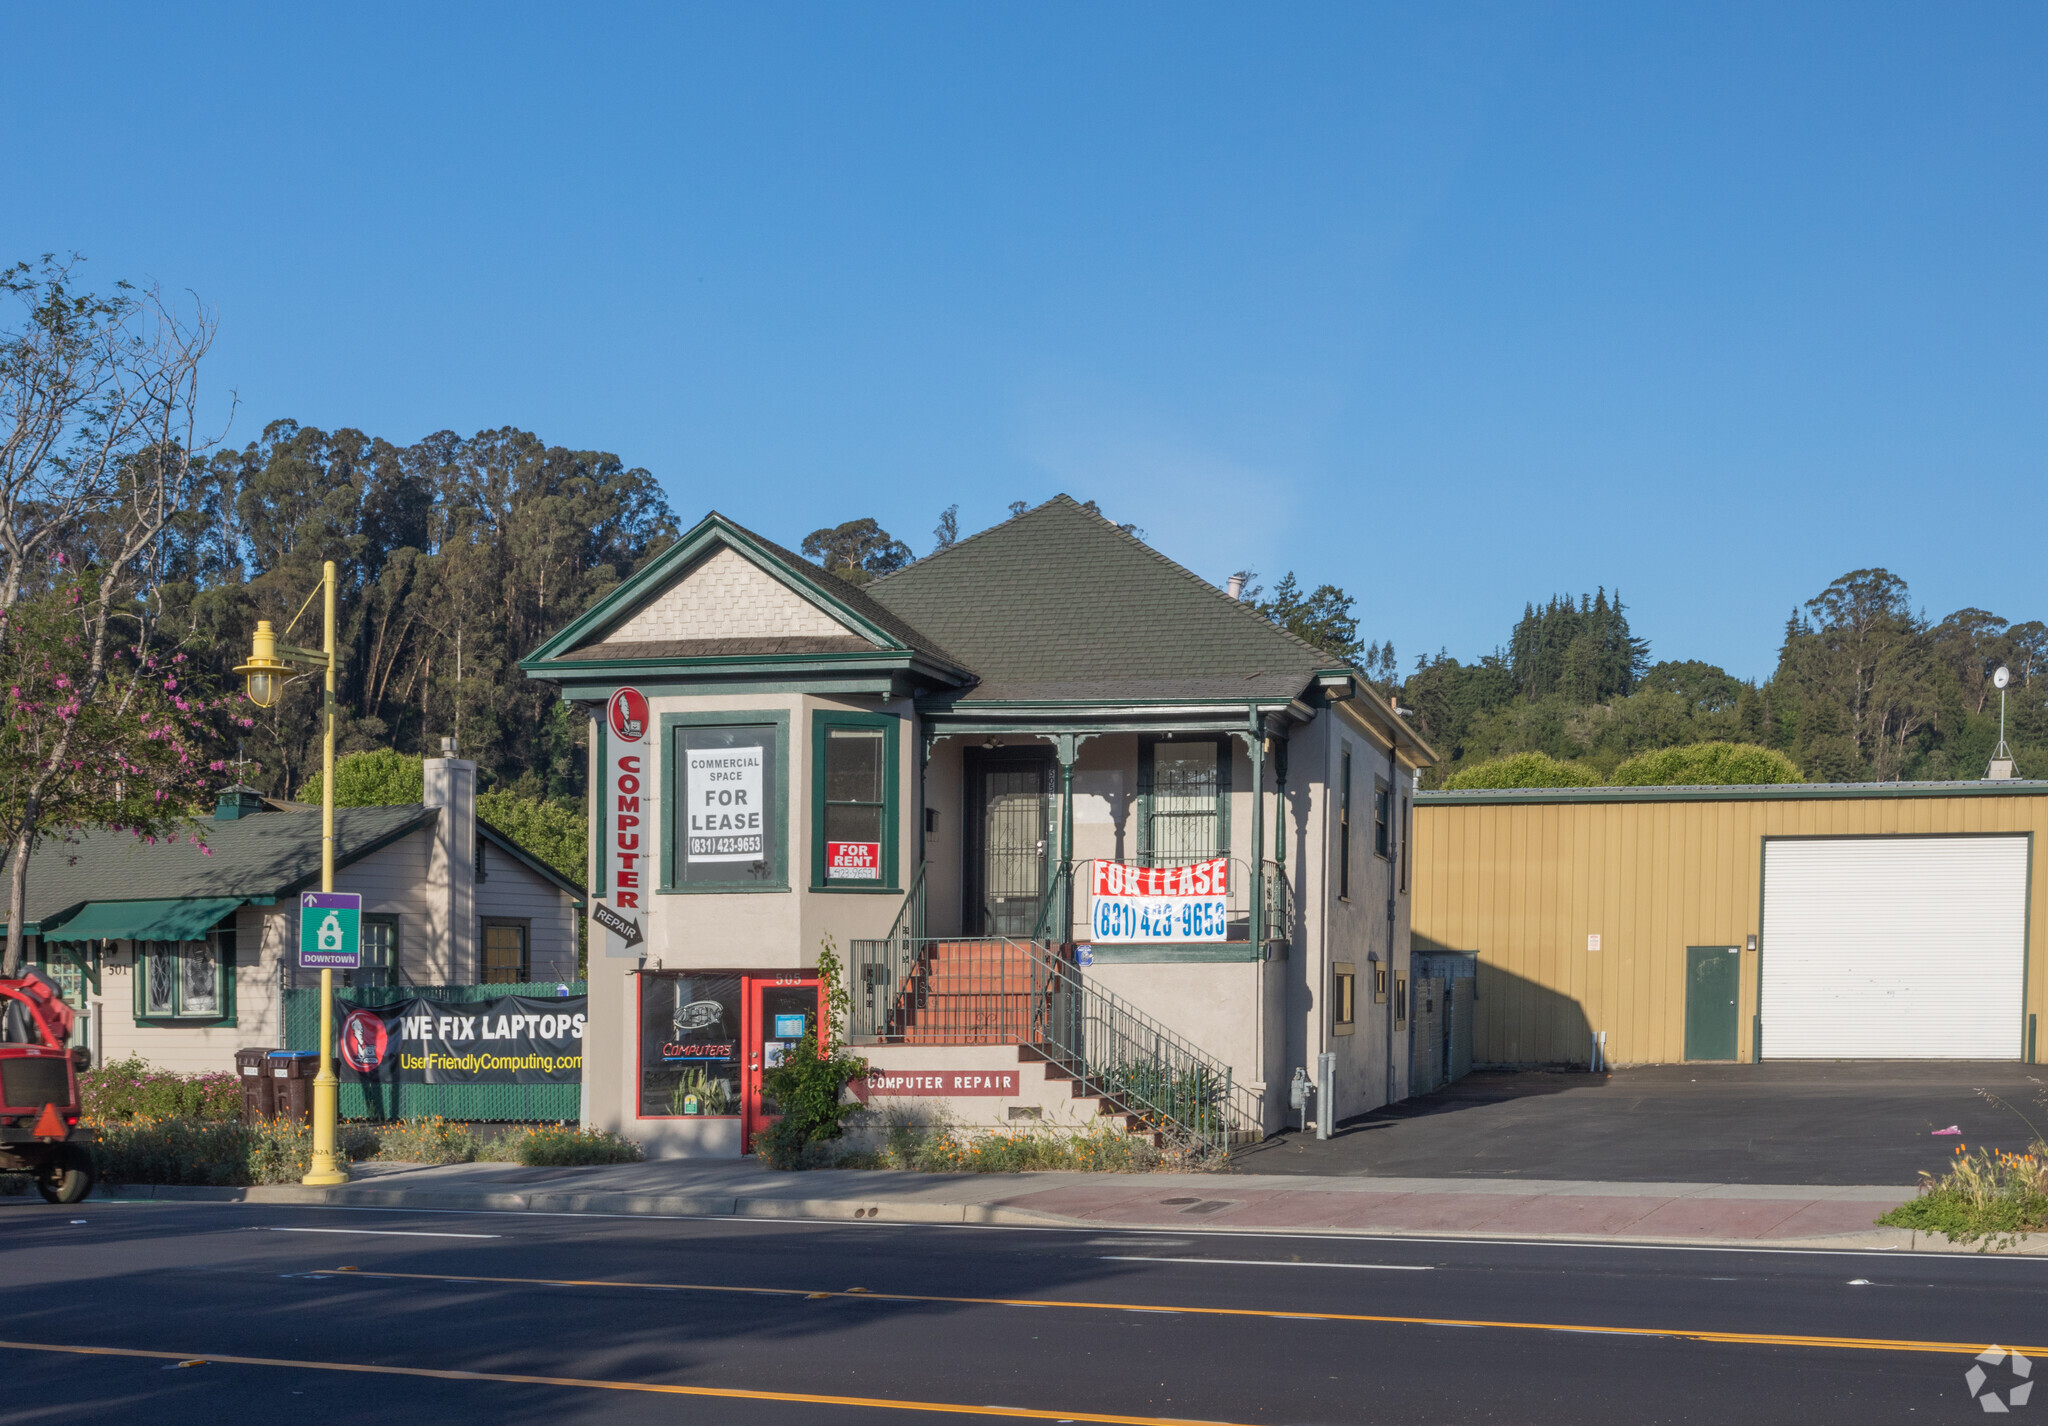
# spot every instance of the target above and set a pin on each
(1012, 824)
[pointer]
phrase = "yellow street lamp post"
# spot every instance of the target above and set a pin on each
(270, 664)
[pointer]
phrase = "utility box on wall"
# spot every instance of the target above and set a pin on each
(1440, 1049)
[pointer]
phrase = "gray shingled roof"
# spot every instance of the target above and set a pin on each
(862, 601)
(1058, 604)
(261, 854)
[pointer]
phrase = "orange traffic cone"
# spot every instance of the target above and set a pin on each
(49, 1124)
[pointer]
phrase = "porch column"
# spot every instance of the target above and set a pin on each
(1066, 747)
(1280, 807)
(1255, 743)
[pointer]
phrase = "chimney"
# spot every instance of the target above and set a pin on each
(450, 785)
(1236, 587)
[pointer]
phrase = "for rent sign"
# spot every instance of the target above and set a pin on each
(1178, 903)
(628, 805)
(853, 861)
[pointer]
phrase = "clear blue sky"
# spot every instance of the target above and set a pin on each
(1452, 306)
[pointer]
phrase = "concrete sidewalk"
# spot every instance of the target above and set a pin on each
(1686, 1214)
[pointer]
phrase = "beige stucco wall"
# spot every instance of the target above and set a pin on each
(740, 930)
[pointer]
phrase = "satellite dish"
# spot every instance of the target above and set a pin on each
(2001, 677)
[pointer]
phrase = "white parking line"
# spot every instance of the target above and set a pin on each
(1391, 1239)
(377, 1232)
(1273, 1263)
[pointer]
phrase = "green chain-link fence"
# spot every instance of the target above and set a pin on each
(511, 1102)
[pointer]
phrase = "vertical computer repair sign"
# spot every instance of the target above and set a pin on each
(628, 803)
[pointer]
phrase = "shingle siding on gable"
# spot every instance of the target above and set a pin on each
(727, 597)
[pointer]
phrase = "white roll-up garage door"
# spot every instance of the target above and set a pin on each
(1894, 947)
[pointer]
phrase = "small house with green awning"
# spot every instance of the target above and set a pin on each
(178, 950)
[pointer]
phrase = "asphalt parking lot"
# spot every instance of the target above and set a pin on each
(1839, 1122)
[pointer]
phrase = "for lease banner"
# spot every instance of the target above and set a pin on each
(513, 1040)
(1178, 903)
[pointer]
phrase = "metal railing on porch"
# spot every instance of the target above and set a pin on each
(1008, 991)
(909, 988)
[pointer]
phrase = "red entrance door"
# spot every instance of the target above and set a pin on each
(778, 1010)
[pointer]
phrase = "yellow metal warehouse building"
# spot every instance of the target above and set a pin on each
(1861, 921)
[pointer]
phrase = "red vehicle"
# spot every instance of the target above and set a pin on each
(39, 1131)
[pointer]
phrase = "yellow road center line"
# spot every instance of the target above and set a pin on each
(599, 1384)
(1683, 1334)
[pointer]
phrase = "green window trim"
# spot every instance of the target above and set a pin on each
(224, 973)
(891, 727)
(1148, 761)
(777, 878)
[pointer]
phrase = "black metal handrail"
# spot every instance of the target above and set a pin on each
(1001, 990)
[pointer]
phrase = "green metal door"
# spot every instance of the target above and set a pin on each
(1713, 977)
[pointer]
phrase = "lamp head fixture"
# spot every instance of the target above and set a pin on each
(2001, 677)
(264, 674)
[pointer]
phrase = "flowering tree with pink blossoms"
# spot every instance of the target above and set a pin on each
(100, 462)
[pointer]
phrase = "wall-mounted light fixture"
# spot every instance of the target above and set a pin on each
(1752, 943)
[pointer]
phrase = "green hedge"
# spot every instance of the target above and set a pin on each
(1707, 765)
(1524, 770)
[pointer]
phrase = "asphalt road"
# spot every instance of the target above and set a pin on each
(1782, 1121)
(365, 1315)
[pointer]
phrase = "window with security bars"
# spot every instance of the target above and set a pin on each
(506, 955)
(1185, 788)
